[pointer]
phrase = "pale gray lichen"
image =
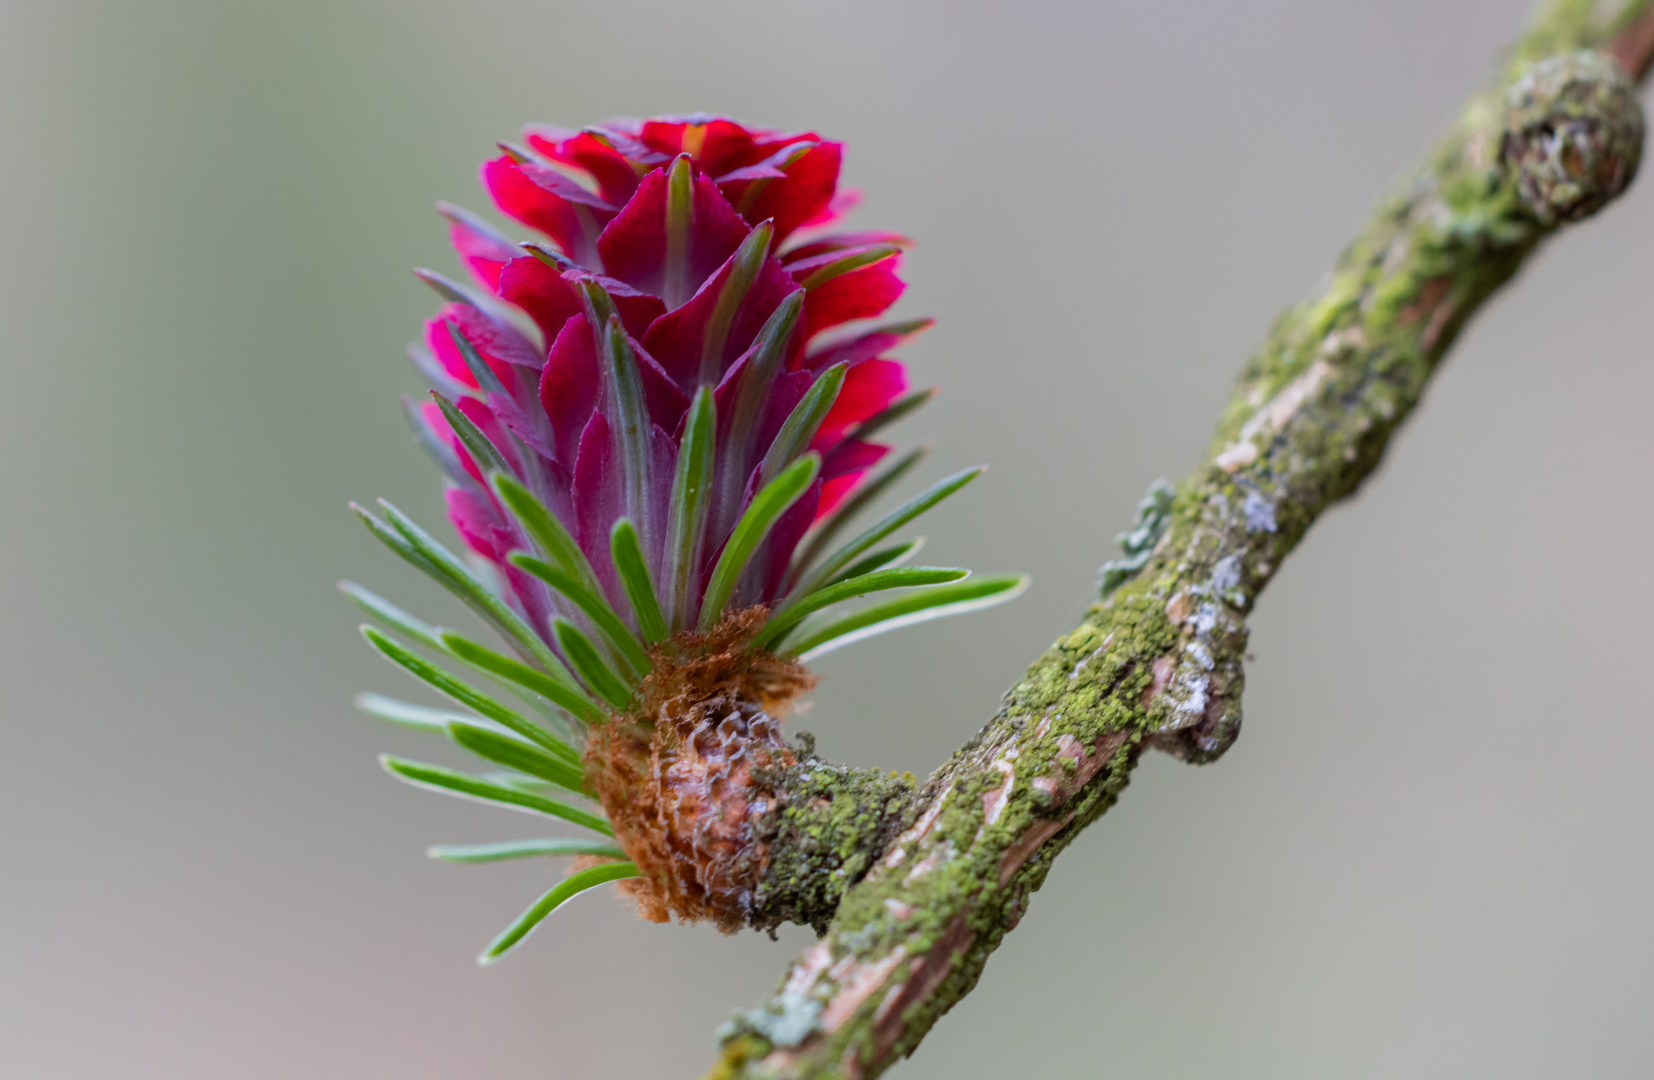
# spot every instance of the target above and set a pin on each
(1260, 513)
(1226, 573)
(1154, 511)
(791, 1017)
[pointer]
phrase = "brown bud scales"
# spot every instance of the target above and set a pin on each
(686, 776)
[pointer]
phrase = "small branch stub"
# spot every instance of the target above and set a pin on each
(1573, 135)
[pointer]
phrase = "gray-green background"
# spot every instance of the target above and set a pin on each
(1429, 855)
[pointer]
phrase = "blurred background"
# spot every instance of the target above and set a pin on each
(1431, 853)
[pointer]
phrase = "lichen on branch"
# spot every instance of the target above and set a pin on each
(1158, 662)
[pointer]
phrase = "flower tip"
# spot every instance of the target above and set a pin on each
(516, 153)
(549, 255)
(440, 283)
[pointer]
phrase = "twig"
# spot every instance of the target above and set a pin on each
(1159, 664)
(1633, 46)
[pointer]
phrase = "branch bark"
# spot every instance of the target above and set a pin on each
(1159, 662)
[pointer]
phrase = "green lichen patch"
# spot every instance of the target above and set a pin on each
(828, 824)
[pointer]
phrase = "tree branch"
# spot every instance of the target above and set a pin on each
(1632, 46)
(1159, 662)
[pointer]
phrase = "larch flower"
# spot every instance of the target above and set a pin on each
(656, 420)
